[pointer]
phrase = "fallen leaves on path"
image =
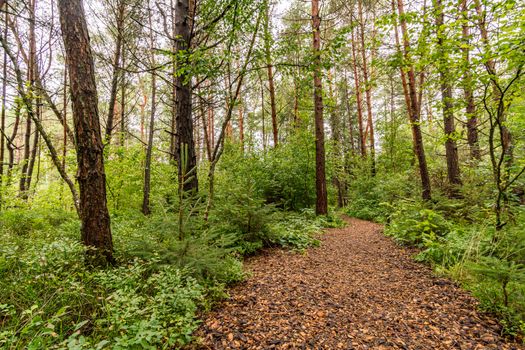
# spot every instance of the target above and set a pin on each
(358, 290)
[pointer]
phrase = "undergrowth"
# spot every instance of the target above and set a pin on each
(150, 299)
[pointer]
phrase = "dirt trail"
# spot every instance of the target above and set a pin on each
(358, 290)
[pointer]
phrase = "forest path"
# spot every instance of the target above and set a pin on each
(358, 290)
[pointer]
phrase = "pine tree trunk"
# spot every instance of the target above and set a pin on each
(94, 215)
(211, 124)
(362, 137)
(11, 147)
(368, 90)
(411, 98)
(263, 112)
(241, 123)
(25, 176)
(205, 130)
(451, 148)
(350, 117)
(37, 99)
(34, 147)
(184, 121)
(3, 131)
(146, 210)
(321, 207)
(269, 67)
(115, 75)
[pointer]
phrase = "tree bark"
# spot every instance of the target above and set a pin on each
(321, 205)
(94, 214)
(338, 154)
(411, 98)
(470, 110)
(25, 177)
(37, 99)
(64, 136)
(241, 123)
(3, 134)
(115, 75)
(269, 66)
(368, 89)
(123, 131)
(451, 148)
(205, 120)
(146, 210)
(183, 85)
(362, 142)
(263, 112)
(349, 115)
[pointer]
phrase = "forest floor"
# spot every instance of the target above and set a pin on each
(358, 290)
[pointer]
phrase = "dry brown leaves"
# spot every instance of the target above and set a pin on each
(357, 291)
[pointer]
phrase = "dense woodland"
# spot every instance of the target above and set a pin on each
(146, 147)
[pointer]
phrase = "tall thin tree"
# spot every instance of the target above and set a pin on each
(94, 214)
(447, 100)
(321, 206)
(411, 99)
(146, 210)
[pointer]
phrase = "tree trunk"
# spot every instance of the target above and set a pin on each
(321, 207)
(269, 66)
(123, 130)
(173, 121)
(37, 99)
(470, 110)
(184, 121)
(64, 128)
(413, 106)
(335, 126)
(115, 75)
(451, 148)
(368, 90)
(3, 131)
(11, 147)
(241, 123)
(25, 176)
(146, 210)
(94, 215)
(211, 123)
(263, 112)
(35, 147)
(205, 127)
(362, 143)
(350, 117)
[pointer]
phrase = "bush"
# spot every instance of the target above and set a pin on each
(372, 198)
(410, 224)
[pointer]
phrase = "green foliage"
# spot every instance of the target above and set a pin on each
(55, 301)
(151, 298)
(291, 184)
(23, 222)
(371, 198)
(499, 284)
(412, 225)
